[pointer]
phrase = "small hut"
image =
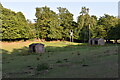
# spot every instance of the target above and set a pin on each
(37, 48)
(96, 41)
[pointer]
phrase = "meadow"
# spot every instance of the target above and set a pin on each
(62, 59)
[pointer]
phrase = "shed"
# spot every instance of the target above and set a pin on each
(96, 41)
(37, 47)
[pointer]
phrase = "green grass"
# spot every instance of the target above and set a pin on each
(65, 60)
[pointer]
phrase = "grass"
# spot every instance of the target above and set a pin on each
(65, 60)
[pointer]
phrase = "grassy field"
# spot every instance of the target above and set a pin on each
(63, 60)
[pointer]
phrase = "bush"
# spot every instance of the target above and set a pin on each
(42, 66)
(58, 61)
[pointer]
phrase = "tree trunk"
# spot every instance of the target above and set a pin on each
(106, 40)
(115, 41)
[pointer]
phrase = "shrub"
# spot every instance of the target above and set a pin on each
(58, 61)
(42, 66)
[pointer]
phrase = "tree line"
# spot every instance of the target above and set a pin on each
(50, 25)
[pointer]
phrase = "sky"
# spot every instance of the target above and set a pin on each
(96, 8)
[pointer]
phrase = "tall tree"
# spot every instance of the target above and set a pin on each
(32, 30)
(14, 25)
(66, 21)
(114, 32)
(86, 24)
(107, 22)
(47, 24)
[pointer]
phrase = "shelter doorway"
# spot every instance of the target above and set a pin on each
(33, 48)
(96, 42)
(91, 42)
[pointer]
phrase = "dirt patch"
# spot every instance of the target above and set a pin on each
(28, 41)
(19, 42)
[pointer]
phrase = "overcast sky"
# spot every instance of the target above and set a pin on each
(96, 8)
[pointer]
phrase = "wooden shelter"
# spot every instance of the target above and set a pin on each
(96, 41)
(37, 48)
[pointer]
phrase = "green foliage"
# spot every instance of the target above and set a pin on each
(32, 30)
(47, 24)
(42, 66)
(86, 24)
(98, 32)
(114, 32)
(58, 61)
(90, 26)
(50, 25)
(84, 11)
(66, 21)
(108, 22)
(14, 25)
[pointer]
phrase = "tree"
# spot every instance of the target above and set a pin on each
(14, 25)
(47, 23)
(114, 32)
(98, 32)
(75, 30)
(84, 11)
(32, 30)
(9, 25)
(66, 21)
(86, 24)
(108, 22)
(24, 29)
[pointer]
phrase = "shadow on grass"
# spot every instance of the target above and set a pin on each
(53, 50)
(3, 51)
(49, 49)
(58, 62)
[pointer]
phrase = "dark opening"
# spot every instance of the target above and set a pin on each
(96, 42)
(91, 42)
(33, 48)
